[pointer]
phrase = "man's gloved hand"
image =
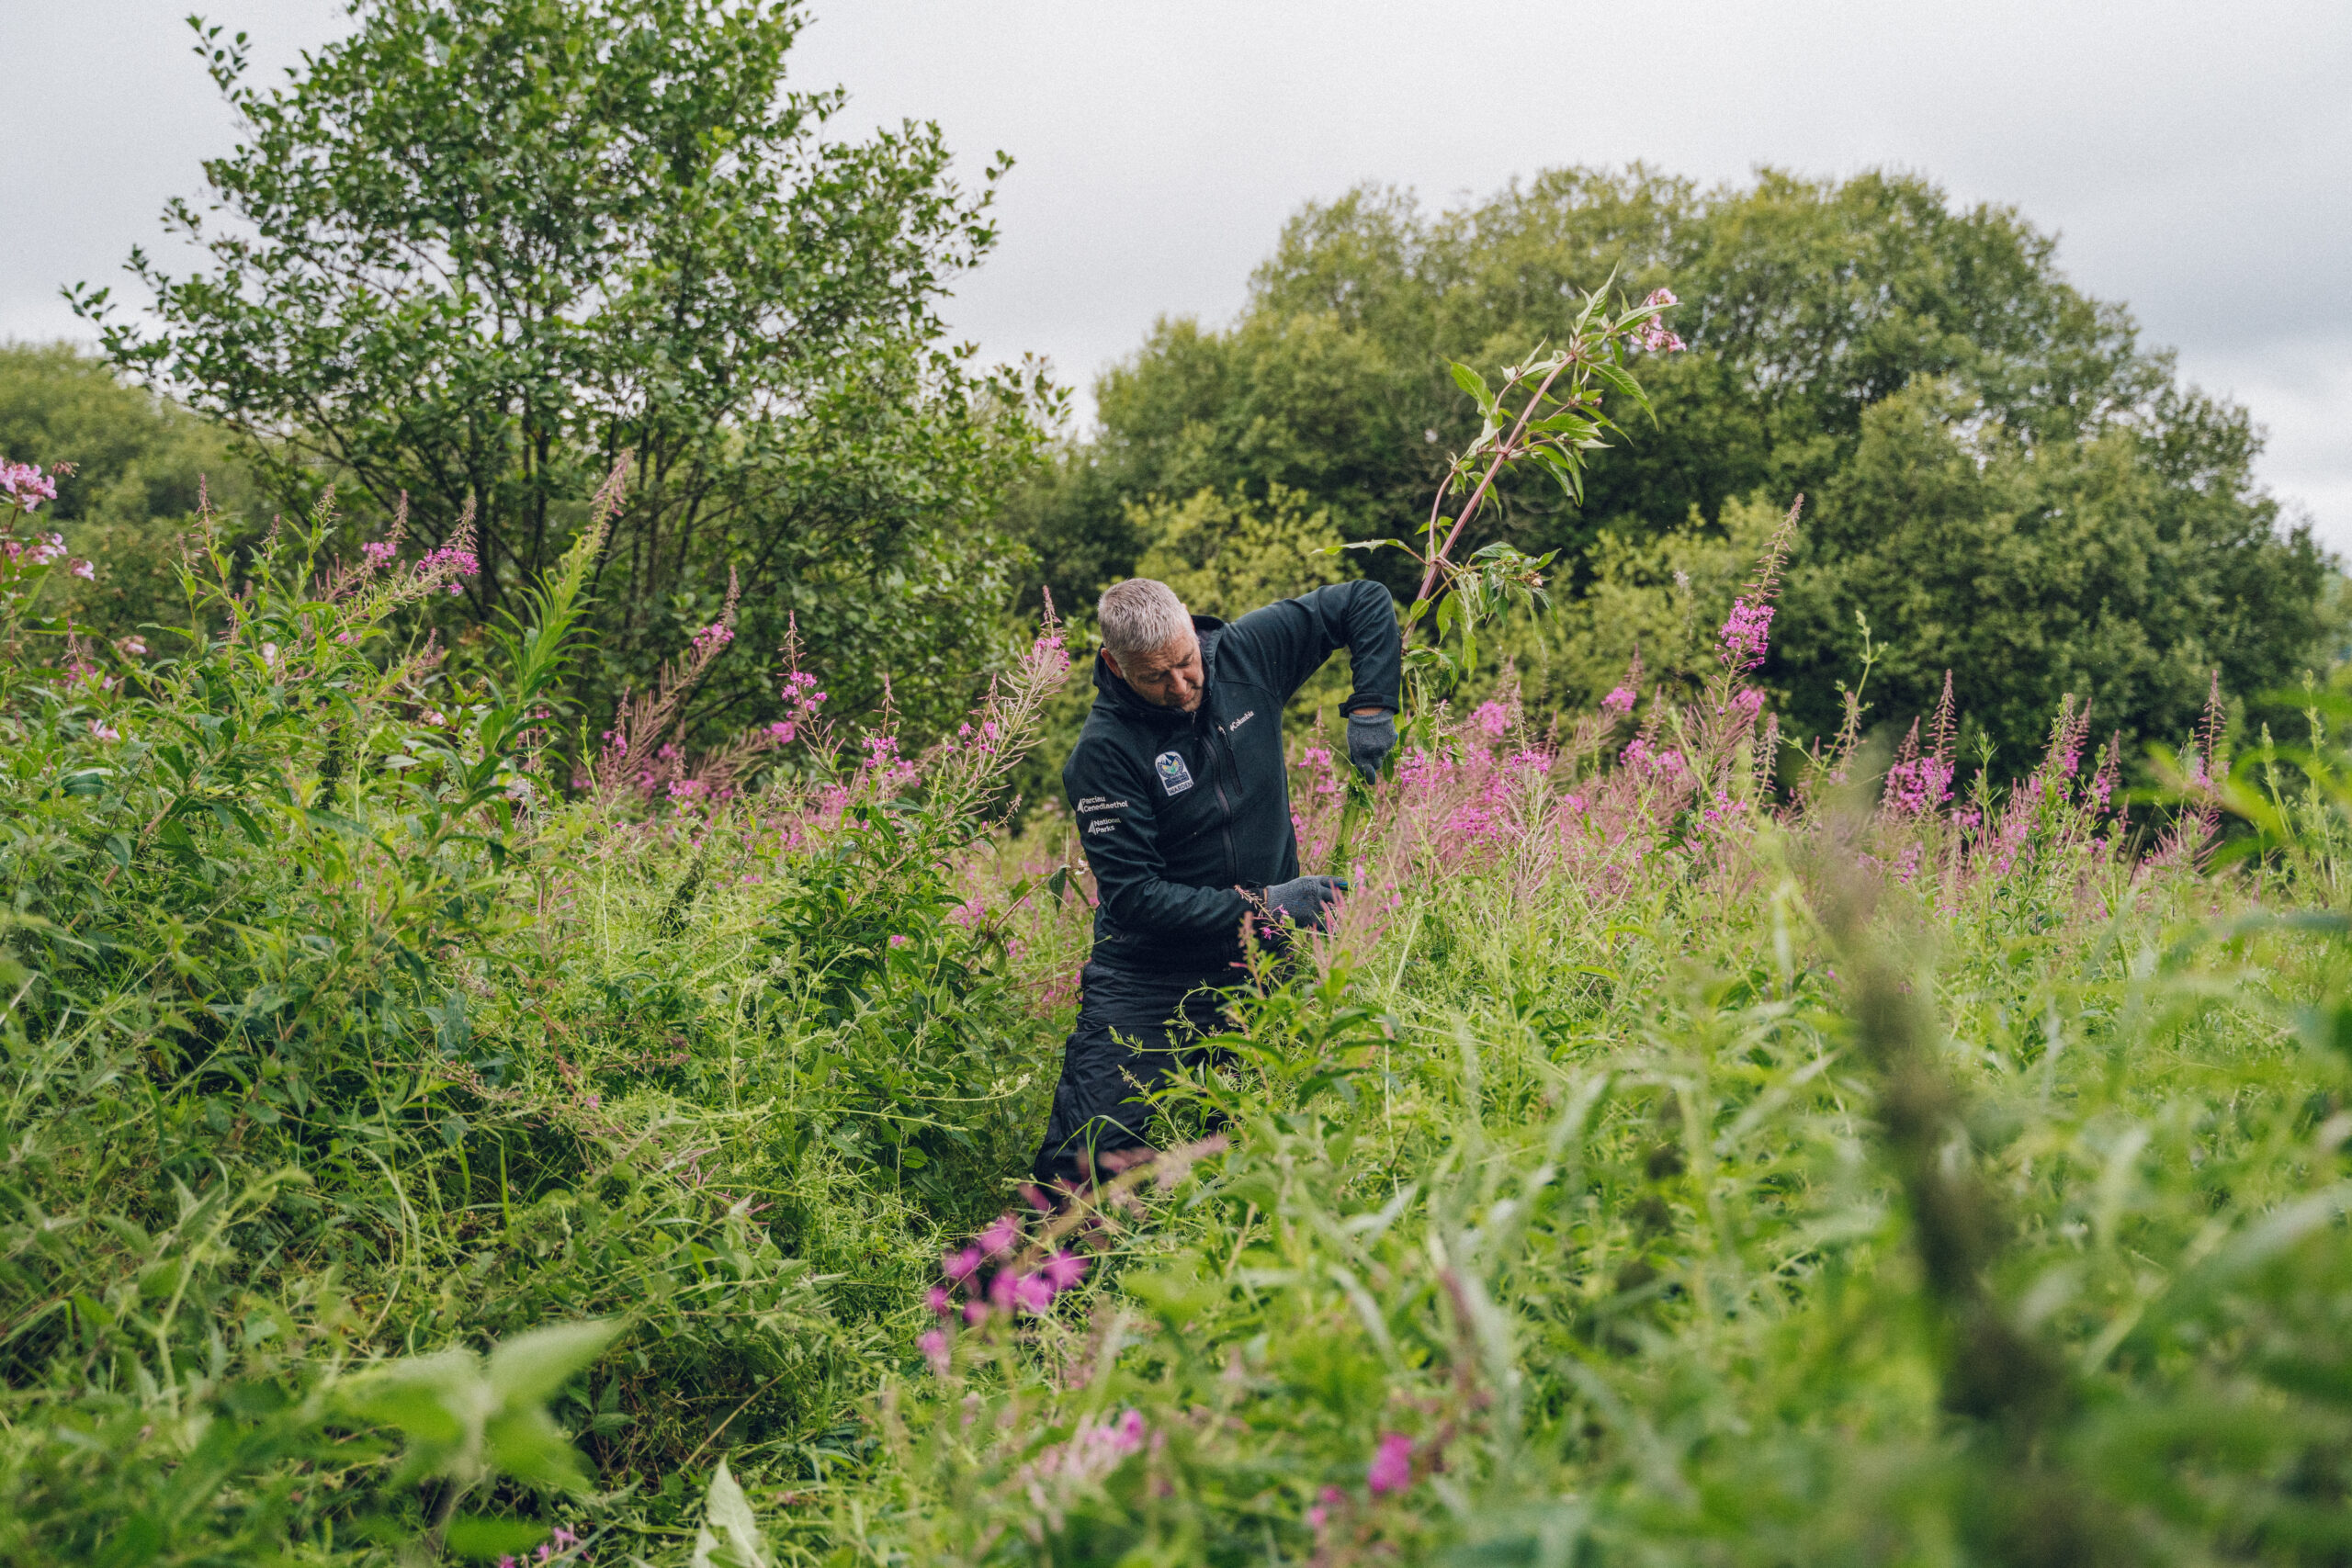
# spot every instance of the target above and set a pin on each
(1304, 900)
(1371, 737)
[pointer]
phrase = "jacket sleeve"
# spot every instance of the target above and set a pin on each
(1119, 832)
(1290, 640)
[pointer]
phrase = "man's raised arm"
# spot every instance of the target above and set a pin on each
(1294, 637)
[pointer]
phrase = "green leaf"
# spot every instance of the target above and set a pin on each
(530, 1368)
(1470, 381)
(730, 1536)
(526, 1444)
(476, 1537)
(1181, 1292)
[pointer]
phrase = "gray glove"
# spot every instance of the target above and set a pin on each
(1304, 900)
(1371, 737)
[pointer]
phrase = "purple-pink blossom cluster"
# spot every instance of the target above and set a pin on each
(1619, 701)
(1654, 334)
(801, 701)
(26, 486)
(1389, 1471)
(1392, 1464)
(450, 562)
(1094, 1450)
(709, 641)
(990, 1281)
(883, 763)
(1746, 634)
(1650, 761)
(1918, 785)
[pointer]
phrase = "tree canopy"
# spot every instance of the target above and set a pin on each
(474, 252)
(2003, 477)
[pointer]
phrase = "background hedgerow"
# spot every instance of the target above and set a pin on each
(1651, 1166)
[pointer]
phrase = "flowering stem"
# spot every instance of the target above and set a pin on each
(1470, 508)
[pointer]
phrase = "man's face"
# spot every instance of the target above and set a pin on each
(1167, 677)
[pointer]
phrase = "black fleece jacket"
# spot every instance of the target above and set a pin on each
(1185, 816)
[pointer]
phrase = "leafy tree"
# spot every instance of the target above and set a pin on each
(1816, 313)
(1226, 555)
(474, 253)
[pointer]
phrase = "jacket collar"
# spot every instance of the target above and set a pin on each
(1126, 704)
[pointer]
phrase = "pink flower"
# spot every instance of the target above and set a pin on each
(135, 647)
(1746, 701)
(712, 637)
(1001, 1235)
(1492, 717)
(1064, 1269)
(101, 730)
(565, 1537)
(1919, 784)
(961, 1266)
(27, 485)
(378, 553)
(1619, 701)
(782, 729)
(1124, 1435)
(897, 940)
(933, 1343)
(976, 1312)
(1392, 1466)
(85, 571)
(1746, 635)
(1032, 1292)
(1328, 1499)
(452, 560)
(1661, 297)
(936, 1300)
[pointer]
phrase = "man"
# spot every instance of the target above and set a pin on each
(1182, 801)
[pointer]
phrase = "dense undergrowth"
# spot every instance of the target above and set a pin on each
(1650, 1167)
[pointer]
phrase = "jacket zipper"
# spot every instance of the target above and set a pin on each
(1216, 776)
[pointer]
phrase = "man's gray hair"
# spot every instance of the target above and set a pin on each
(1141, 616)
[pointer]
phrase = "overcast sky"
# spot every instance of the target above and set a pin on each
(2196, 159)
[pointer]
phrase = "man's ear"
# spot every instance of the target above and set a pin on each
(1114, 664)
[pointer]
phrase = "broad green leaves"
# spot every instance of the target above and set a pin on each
(466, 1418)
(730, 1534)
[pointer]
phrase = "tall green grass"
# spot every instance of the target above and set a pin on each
(1648, 1168)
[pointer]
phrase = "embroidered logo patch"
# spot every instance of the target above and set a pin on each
(1242, 720)
(1174, 776)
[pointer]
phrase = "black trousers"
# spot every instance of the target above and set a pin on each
(1134, 1028)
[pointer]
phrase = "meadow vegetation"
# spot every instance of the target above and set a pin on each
(1651, 1166)
(530, 979)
